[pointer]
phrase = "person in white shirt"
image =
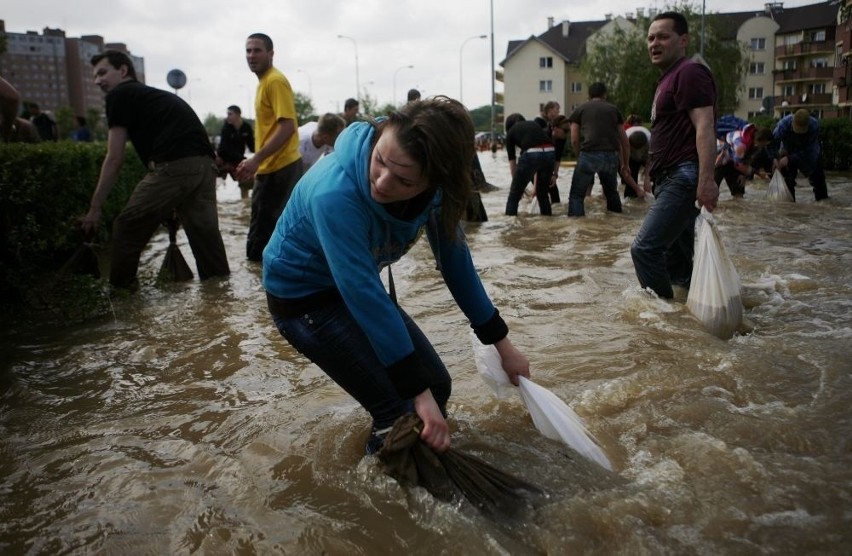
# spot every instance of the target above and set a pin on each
(317, 138)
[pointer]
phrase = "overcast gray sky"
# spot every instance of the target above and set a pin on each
(206, 39)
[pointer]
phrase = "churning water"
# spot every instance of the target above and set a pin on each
(183, 423)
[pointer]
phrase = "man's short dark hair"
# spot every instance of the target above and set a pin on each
(681, 27)
(512, 119)
(235, 109)
(637, 140)
(116, 59)
(597, 90)
(350, 102)
(413, 94)
(267, 42)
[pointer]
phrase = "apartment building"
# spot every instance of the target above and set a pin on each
(54, 70)
(843, 53)
(796, 60)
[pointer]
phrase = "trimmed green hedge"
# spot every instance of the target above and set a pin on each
(835, 139)
(45, 189)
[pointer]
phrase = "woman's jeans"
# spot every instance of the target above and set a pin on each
(663, 248)
(605, 165)
(331, 338)
(539, 164)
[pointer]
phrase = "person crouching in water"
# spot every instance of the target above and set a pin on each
(360, 209)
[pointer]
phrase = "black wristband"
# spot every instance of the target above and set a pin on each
(408, 376)
(493, 330)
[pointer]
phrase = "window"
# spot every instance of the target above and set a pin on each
(816, 88)
(757, 68)
(792, 39)
(758, 43)
(819, 63)
(545, 62)
(788, 90)
(789, 64)
(816, 36)
(576, 87)
(755, 92)
(545, 86)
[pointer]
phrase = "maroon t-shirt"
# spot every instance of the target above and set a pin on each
(686, 85)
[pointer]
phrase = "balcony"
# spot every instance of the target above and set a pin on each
(804, 48)
(803, 74)
(810, 99)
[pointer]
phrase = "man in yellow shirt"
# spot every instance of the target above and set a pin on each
(277, 164)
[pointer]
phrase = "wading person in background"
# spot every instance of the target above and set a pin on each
(350, 111)
(535, 161)
(549, 113)
(737, 157)
(276, 166)
(638, 141)
(797, 140)
(357, 211)
(12, 128)
(173, 144)
(317, 138)
(681, 158)
(604, 151)
(236, 136)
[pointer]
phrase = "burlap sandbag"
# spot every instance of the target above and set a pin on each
(446, 476)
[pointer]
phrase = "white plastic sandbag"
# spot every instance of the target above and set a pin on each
(555, 420)
(714, 292)
(529, 202)
(491, 369)
(551, 416)
(778, 190)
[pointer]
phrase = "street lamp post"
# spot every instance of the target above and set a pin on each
(357, 78)
(493, 87)
(310, 83)
(394, 80)
(461, 49)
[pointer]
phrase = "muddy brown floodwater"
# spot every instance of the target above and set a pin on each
(182, 423)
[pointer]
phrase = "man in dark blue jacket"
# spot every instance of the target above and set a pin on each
(797, 138)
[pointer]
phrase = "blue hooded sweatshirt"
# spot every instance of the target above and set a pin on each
(332, 235)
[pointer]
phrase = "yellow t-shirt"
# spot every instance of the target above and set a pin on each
(272, 102)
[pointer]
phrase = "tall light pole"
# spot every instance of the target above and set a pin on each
(310, 83)
(461, 48)
(357, 78)
(493, 86)
(394, 80)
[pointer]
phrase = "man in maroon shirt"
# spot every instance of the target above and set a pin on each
(681, 158)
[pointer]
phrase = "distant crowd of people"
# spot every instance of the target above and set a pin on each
(368, 190)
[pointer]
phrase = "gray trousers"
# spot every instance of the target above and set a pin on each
(187, 185)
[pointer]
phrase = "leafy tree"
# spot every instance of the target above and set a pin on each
(368, 104)
(386, 109)
(305, 110)
(65, 121)
(620, 60)
(213, 124)
(96, 124)
(482, 117)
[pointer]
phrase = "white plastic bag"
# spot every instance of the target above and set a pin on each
(551, 416)
(714, 292)
(778, 190)
(555, 420)
(491, 369)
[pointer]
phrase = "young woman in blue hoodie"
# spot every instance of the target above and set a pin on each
(358, 210)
